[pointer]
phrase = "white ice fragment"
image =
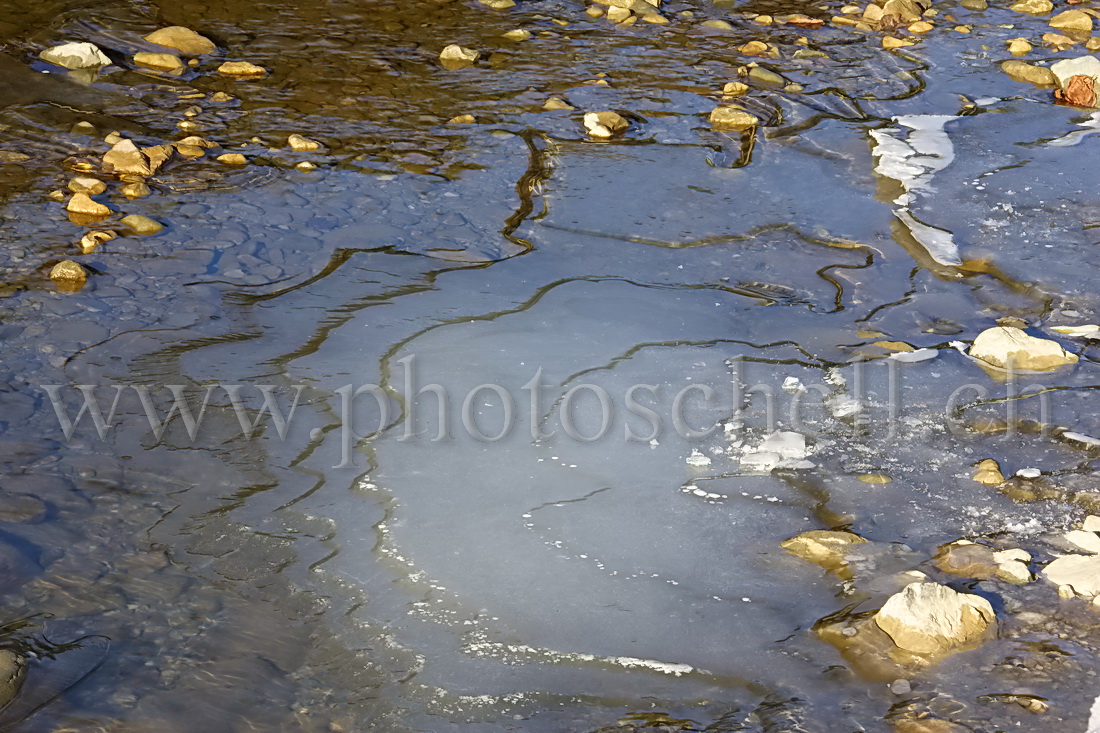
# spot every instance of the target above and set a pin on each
(786, 443)
(793, 385)
(761, 461)
(697, 459)
(1029, 473)
(914, 356)
(1081, 438)
(1090, 331)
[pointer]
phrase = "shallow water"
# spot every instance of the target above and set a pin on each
(315, 581)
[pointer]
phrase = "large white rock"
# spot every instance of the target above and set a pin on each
(1080, 572)
(1081, 66)
(76, 56)
(932, 619)
(1006, 345)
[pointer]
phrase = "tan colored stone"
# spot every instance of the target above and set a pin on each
(618, 15)
(826, 548)
(456, 57)
(81, 203)
(605, 124)
(557, 103)
(1023, 71)
(1080, 573)
(182, 39)
(908, 10)
(933, 620)
(301, 144)
(732, 117)
(519, 34)
(921, 26)
(1083, 540)
(1008, 347)
(305, 165)
(232, 159)
(90, 241)
(126, 158)
(890, 42)
(735, 89)
(1033, 7)
(241, 68)
(135, 190)
(1092, 45)
(1019, 46)
(966, 560)
(989, 473)
(1074, 21)
(754, 48)
(90, 186)
(161, 61)
(142, 225)
(68, 276)
(926, 725)
(1057, 41)
(462, 120)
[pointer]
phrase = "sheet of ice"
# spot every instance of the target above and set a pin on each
(913, 161)
(1092, 125)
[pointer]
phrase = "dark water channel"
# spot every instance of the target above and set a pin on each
(312, 581)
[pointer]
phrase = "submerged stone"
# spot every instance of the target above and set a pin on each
(733, 118)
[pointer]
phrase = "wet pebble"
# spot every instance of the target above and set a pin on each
(142, 225)
(68, 276)
(182, 39)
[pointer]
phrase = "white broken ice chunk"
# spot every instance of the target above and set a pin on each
(1081, 438)
(786, 443)
(1090, 331)
(842, 406)
(781, 449)
(761, 461)
(697, 459)
(793, 385)
(76, 56)
(915, 355)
